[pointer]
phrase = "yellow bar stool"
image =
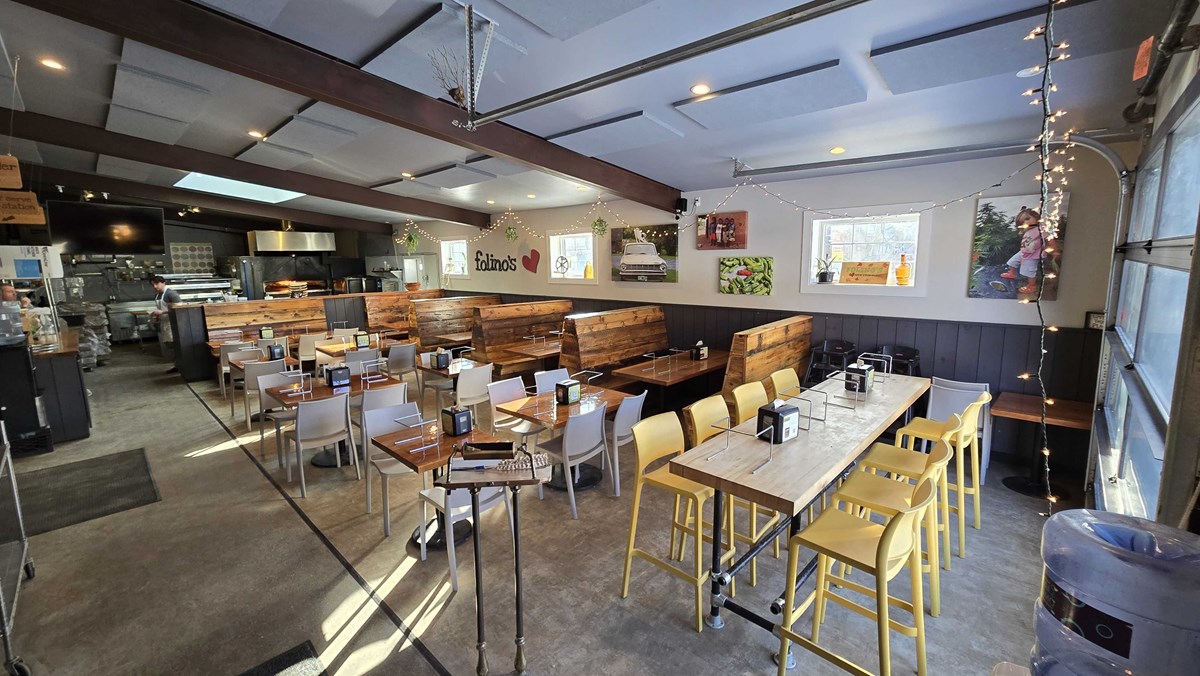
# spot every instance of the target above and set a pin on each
(966, 441)
(654, 439)
(880, 550)
(875, 492)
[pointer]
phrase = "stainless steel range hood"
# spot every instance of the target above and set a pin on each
(290, 241)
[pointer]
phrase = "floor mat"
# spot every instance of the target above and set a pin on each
(65, 495)
(299, 661)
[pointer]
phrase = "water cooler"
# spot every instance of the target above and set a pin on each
(1120, 597)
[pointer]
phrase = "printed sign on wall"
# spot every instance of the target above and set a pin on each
(865, 272)
(21, 208)
(486, 262)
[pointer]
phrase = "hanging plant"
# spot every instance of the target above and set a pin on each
(411, 241)
(510, 233)
(599, 227)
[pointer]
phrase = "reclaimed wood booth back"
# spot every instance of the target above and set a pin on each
(433, 317)
(758, 352)
(499, 327)
(393, 308)
(599, 339)
(226, 321)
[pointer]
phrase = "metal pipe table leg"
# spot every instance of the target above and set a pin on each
(481, 669)
(714, 616)
(519, 661)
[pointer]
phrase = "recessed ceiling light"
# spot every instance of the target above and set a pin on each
(582, 188)
(836, 150)
(232, 188)
(406, 174)
(531, 195)
(700, 89)
(254, 133)
(53, 64)
(491, 201)
(1030, 71)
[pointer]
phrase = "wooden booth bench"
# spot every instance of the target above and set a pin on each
(227, 321)
(601, 341)
(499, 327)
(392, 309)
(758, 352)
(429, 320)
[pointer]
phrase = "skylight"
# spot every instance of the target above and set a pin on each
(232, 188)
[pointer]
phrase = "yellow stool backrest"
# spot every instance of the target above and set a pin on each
(747, 398)
(657, 437)
(901, 534)
(942, 452)
(702, 415)
(785, 382)
(970, 419)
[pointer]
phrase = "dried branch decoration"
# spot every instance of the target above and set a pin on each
(451, 73)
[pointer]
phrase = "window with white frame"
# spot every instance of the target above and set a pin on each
(867, 239)
(454, 258)
(572, 257)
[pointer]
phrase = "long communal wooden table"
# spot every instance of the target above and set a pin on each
(798, 473)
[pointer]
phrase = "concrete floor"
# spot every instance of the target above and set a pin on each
(232, 568)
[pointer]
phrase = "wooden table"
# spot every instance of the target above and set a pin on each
(540, 351)
(799, 471)
(452, 371)
(1028, 407)
(464, 337)
(336, 350)
(240, 364)
(286, 394)
(679, 369)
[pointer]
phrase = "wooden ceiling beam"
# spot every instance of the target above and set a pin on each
(45, 176)
(218, 40)
(69, 134)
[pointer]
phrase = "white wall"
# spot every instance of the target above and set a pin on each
(775, 231)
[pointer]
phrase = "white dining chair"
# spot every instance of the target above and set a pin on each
(947, 397)
(250, 385)
(319, 424)
(322, 358)
(383, 397)
(582, 440)
(544, 381)
(270, 408)
(237, 377)
(455, 506)
(307, 351)
(223, 369)
(619, 432)
(502, 392)
(379, 421)
(402, 360)
(265, 343)
(361, 355)
(440, 385)
(345, 332)
(472, 389)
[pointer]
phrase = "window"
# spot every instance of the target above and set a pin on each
(573, 257)
(1181, 182)
(454, 258)
(1145, 200)
(879, 238)
(1129, 306)
(1158, 347)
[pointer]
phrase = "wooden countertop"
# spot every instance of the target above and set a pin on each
(64, 343)
(1062, 413)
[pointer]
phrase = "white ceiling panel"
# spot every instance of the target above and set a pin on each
(158, 94)
(409, 188)
(456, 176)
(310, 136)
(271, 155)
(132, 122)
(121, 168)
(11, 98)
(154, 60)
(320, 111)
(497, 166)
(25, 151)
(567, 18)
(821, 87)
(258, 12)
(634, 130)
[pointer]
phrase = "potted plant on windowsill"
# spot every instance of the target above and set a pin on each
(824, 271)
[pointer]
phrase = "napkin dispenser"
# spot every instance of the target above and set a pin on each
(784, 419)
(860, 377)
(266, 333)
(699, 351)
(362, 340)
(337, 377)
(441, 360)
(456, 421)
(567, 391)
(274, 351)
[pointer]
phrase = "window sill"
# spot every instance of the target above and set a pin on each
(835, 288)
(573, 280)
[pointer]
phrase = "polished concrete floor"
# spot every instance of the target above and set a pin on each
(232, 567)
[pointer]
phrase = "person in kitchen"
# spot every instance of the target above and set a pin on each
(165, 298)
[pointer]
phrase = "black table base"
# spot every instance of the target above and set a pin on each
(589, 476)
(1034, 488)
(436, 535)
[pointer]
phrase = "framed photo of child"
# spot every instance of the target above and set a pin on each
(723, 231)
(1009, 241)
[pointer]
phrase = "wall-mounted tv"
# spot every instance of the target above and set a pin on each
(90, 228)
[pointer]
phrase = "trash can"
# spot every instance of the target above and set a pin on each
(1120, 595)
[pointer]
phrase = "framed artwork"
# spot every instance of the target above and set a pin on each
(1094, 320)
(723, 231)
(645, 253)
(747, 275)
(1006, 249)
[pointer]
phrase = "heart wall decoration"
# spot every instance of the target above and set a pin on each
(530, 261)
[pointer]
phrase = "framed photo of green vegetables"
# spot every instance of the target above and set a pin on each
(747, 275)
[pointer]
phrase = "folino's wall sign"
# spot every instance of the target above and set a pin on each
(486, 262)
